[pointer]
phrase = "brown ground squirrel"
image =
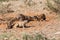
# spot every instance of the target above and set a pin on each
(23, 20)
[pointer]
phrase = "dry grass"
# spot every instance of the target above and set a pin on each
(4, 8)
(54, 5)
(36, 36)
(3, 0)
(8, 36)
(25, 36)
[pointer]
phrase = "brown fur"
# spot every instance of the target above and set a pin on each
(22, 17)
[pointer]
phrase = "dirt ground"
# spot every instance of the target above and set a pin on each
(48, 27)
